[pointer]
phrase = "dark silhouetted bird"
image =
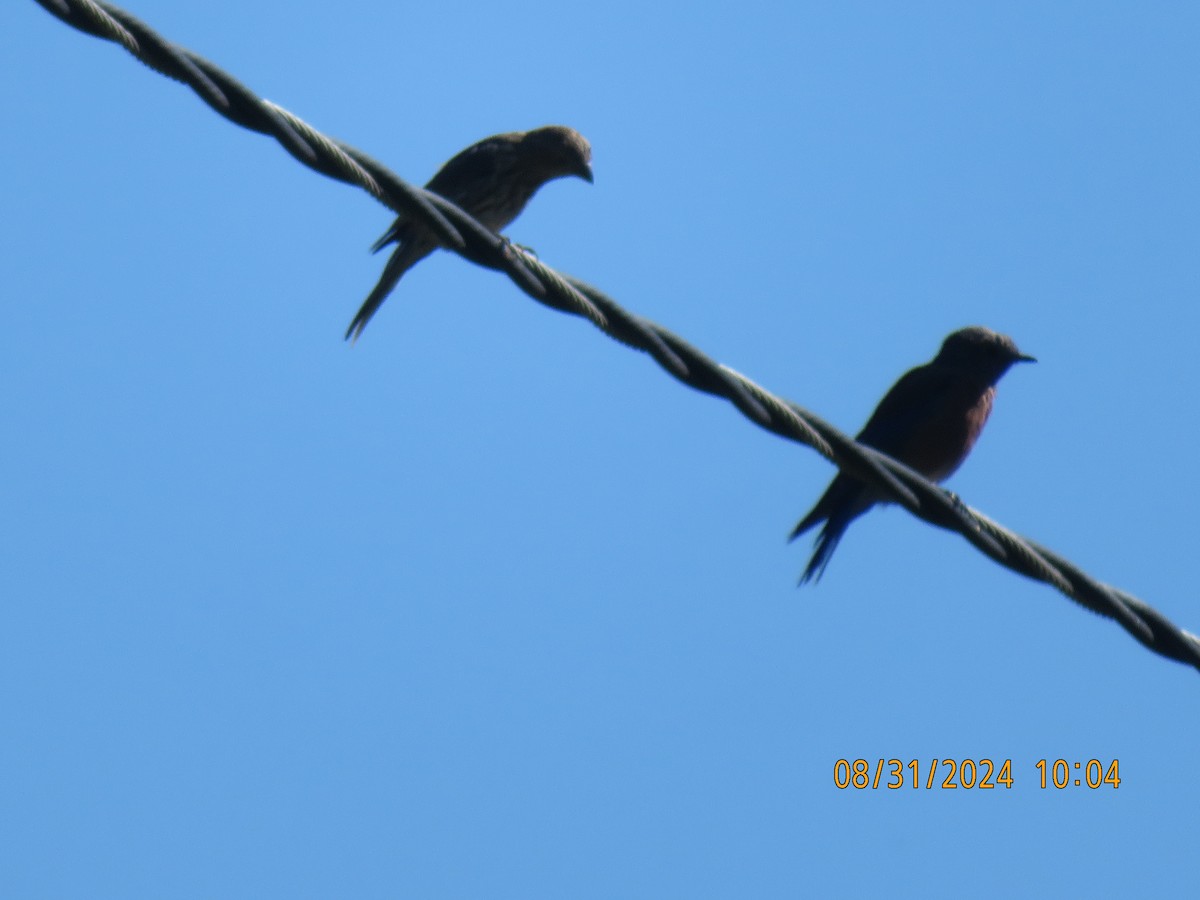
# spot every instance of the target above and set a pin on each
(929, 421)
(492, 180)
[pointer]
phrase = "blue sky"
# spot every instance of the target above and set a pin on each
(488, 605)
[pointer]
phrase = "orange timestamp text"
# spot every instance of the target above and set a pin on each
(968, 774)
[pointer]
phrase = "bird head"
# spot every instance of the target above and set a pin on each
(981, 351)
(559, 152)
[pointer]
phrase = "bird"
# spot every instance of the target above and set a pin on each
(492, 180)
(929, 420)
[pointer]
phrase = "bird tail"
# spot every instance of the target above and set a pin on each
(827, 542)
(409, 252)
(842, 503)
(392, 235)
(814, 516)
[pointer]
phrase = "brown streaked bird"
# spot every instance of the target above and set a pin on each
(492, 180)
(929, 421)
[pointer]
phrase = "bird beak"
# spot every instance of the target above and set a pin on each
(585, 172)
(1021, 357)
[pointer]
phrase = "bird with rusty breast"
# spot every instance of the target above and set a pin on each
(929, 420)
(492, 180)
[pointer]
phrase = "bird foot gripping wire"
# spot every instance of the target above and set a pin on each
(512, 247)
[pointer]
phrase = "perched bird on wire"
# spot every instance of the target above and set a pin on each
(492, 180)
(929, 421)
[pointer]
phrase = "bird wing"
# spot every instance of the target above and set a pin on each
(930, 419)
(915, 399)
(457, 180)
(891, 428)
(479, 163)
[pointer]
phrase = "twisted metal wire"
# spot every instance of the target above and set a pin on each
(457, 231)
